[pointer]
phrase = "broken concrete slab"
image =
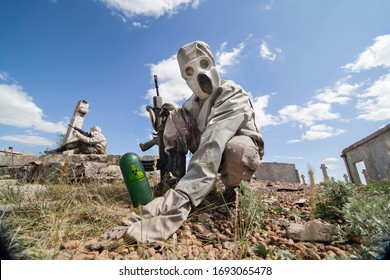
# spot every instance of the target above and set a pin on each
(313, 231)
(57, 167)
(13, 158)
(277, 172)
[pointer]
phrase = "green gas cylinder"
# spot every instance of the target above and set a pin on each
(135, 178)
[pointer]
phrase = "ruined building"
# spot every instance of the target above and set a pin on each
(370, 156)
(277, 172)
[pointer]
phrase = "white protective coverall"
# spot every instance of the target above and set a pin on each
(229, 144)
(96, 144)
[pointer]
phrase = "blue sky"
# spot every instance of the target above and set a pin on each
(317, 71)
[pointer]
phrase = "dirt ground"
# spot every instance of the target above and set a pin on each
(213, 233)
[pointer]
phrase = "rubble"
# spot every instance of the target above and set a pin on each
(213, 234)
(288, 230)
(78, 167)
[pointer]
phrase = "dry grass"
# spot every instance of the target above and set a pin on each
(36, 226)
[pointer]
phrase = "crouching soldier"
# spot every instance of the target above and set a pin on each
(217, 124)
(93, 142)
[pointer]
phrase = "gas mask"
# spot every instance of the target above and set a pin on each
(95, 130)
(197, 67)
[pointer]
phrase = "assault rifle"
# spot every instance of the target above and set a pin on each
(158, 115)
(87, 134)
(172, 166)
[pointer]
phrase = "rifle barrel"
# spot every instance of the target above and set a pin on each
(156, 85)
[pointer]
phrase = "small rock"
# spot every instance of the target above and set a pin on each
(294, 218)
(199, 228)
(185, 227)
(257, 235)
(301, 202)
(104, 255)
(227, 245)
(71, 244)
(207, 248)
(100, 246)
(204, 217)
(228, 231)
(211, 255)
(313, 254)
(270, 200)
(124, 251)
(197, 243)
(337, 251)
(195, 252)
(331, 255)
(157, 256)
(224, 255)
(115, 233)
(222, 237)
(151, 252)
(185, 234)
(132, 256)
(83, 256)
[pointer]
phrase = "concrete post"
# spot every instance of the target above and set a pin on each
(311, 176)
(324, 172)
(303, 179)
(346, 178)
(364, 171)
(77, 120)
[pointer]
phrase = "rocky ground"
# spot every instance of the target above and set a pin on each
(213, 233)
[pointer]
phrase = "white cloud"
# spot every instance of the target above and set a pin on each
(288, 157)
(263, 119)
(18, 109)
(375, 101)
(269, 6)
(136, 24)
(172, 88)
(331, 167)
(374, 56)
(267, 53)
(155, 8)
(30, 140)
(4, 76)
(321, 131)
(341, 93)
(308, 115)
(331, 159)
(225, 58)
(294, 141)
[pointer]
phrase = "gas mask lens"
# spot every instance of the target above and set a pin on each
(204, 63)
(189, 71)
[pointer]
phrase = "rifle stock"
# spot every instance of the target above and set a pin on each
(147, 145)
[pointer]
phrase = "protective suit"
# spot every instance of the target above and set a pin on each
(217, 124)
(95, 143)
